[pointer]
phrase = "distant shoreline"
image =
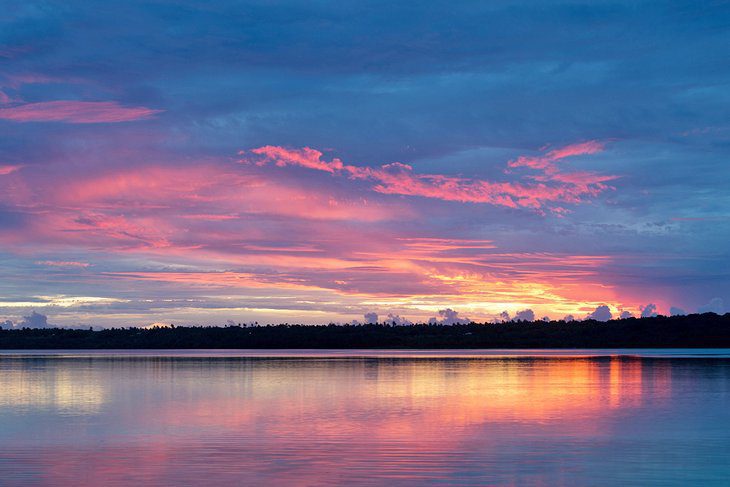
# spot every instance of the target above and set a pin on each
(693, 331)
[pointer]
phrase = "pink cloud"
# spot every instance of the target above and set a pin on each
(208, 192)
(304, 157)
(126, 232)
(547, 161)
(545, 189)
(222, 225)
(160, 206)
(71, 111)
(8, 169)
(211, 217)
(583, 148)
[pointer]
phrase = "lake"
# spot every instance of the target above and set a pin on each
(570, 417)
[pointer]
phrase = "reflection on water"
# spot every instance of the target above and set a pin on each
(186, 420)
(59, 389)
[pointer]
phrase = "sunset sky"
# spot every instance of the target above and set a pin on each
(314, 161)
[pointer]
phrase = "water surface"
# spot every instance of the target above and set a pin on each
(568, 417)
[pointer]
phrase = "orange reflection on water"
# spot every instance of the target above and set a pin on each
(402, 399)
(625, 381)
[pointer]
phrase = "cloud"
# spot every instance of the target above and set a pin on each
(38, 321)
(715, 305)
(62, 263)
(547, 162)
(71, 111)
(524, 315)
(449, 317)
(8, 169)
(625, 315)
(601, 313)
(268, 237)
(648, 311)
(674, 311)
(371, 318)
(548, 189)
(396, 320)
(305, 157)
(34, 320)
(208, 191)
(569, 318)
(504, 316)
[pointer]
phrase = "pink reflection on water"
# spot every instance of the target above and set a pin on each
(315, 421)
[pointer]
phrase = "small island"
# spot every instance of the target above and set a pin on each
(706, 330)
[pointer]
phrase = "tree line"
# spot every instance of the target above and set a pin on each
(707, 330)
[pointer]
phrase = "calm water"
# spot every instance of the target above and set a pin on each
(388, 418)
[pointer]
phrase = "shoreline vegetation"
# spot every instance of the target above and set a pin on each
(706, 330)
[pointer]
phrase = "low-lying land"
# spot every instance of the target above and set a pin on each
(694, 331)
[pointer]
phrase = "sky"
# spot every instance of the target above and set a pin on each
(316, 161)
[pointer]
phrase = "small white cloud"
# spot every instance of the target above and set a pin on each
(625, 315)
(569, 318)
